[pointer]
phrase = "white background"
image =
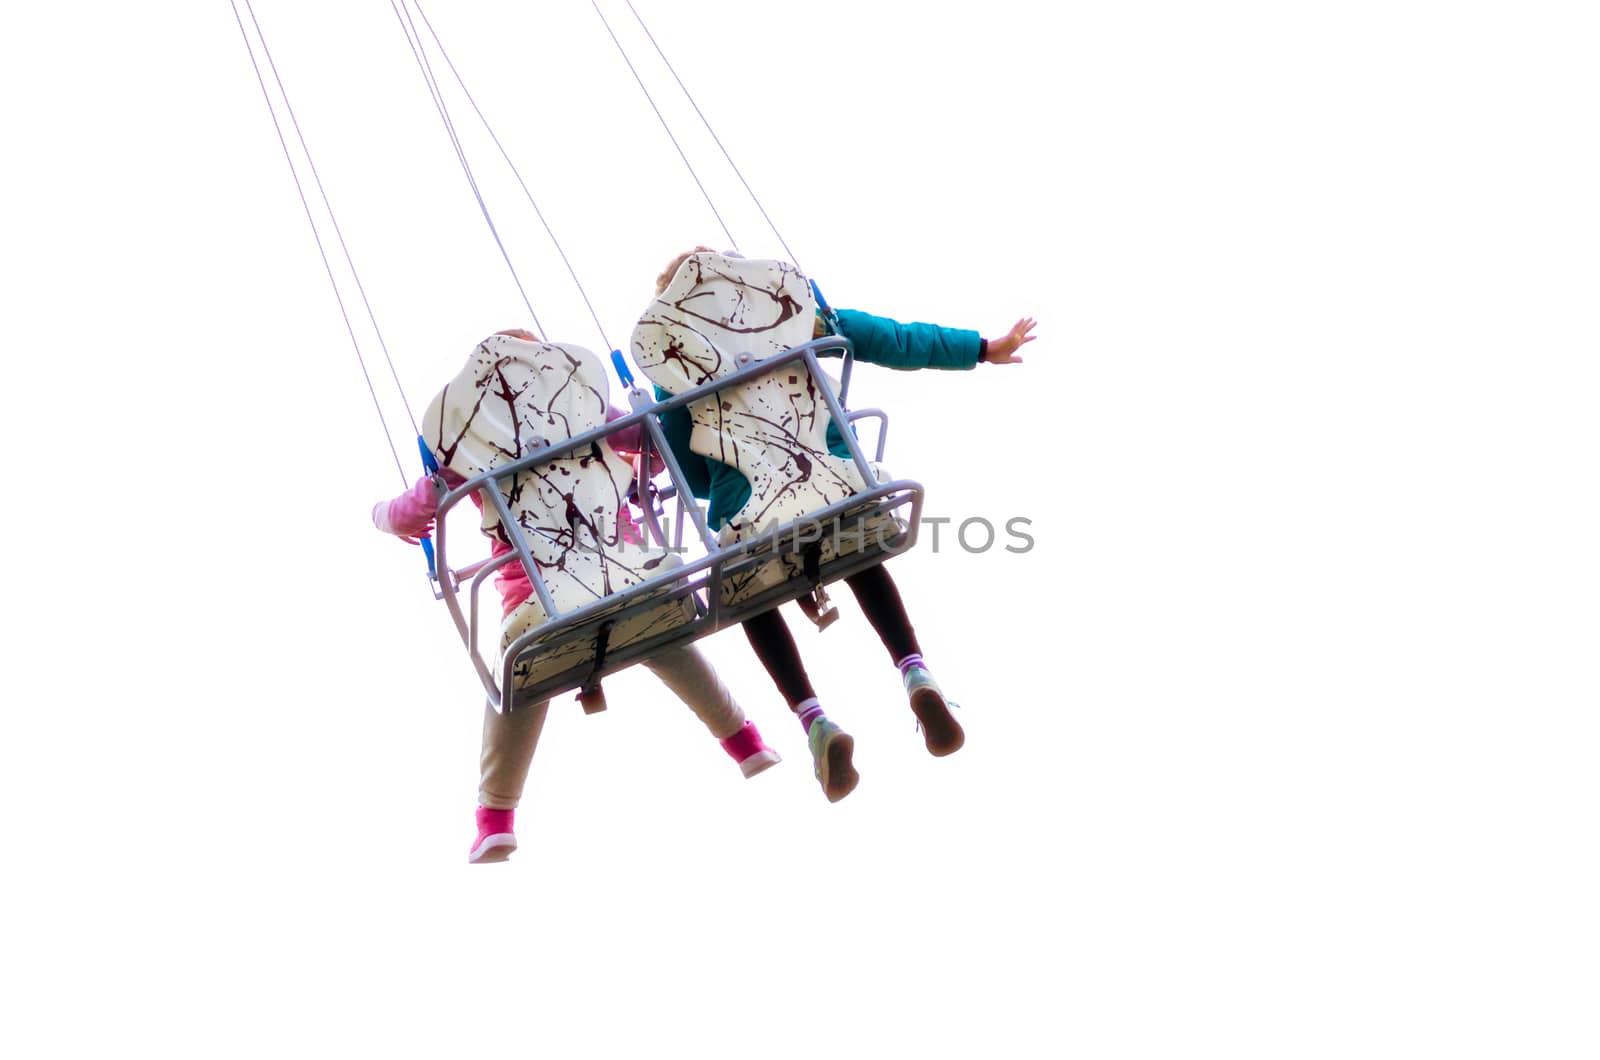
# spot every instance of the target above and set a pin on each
(1281, 740)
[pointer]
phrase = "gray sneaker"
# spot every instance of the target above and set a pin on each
(940, 730)
(831, 748)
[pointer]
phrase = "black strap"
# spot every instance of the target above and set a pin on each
(811, 563)
(602, 639)
(591, 695)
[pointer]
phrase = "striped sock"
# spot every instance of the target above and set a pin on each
(809, 710)
(914, 659)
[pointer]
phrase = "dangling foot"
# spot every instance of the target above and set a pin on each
(831, 748)
(940, 730)
(496, 840)
(748, 749)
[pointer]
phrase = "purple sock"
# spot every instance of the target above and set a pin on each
(914, 659)
(809, 710)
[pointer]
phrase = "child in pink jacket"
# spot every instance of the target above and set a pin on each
(509, 739)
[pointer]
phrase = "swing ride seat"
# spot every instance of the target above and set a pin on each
(524, 423)
(731, 337)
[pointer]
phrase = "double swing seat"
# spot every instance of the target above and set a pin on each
(525, 423)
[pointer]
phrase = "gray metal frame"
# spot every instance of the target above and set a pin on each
(700, 580)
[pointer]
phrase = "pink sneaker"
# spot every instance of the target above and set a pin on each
(495, 839)
(747, 748)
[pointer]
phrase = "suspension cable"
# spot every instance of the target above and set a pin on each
(420, 54)
(623, 52)
(332, 217)
(690, 97)
(306, 205)
(517, 173)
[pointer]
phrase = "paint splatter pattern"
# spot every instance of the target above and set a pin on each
(511, 399)
(773, 429)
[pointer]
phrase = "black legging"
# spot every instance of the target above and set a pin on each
(879, 599)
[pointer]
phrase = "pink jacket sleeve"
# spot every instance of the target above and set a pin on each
(411, 513)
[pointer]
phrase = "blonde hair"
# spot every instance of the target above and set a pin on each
(675, 264)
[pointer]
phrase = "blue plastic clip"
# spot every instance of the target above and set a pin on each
(431, 466)
(829, 317)
(622, 369)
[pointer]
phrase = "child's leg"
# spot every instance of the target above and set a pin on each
(774, 645)
(880, 600)
(694, 680)
(509, 741)
(831, 747)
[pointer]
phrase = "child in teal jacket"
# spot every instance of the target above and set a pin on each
(876, 340)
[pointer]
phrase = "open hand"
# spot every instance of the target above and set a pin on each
(1004, 349)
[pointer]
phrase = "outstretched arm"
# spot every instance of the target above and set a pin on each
(885, 341)
(1004, 349)
(880, 340)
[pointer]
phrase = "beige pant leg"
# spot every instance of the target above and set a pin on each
(692, 679)
(509, 741)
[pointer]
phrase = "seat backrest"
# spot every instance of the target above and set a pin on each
(511, 399)
(774, 429)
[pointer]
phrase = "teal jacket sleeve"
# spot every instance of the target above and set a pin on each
(677, 426)
(879, 340)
